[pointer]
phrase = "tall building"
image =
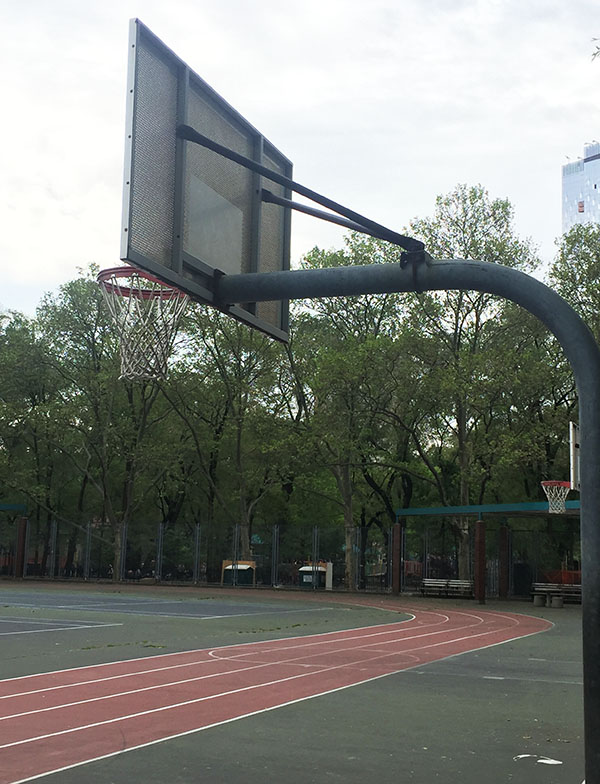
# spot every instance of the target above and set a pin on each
(581, 188)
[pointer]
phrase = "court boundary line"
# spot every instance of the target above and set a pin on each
(59, 629)
(21, 619)
(133, 611)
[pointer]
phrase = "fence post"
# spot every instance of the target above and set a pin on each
(396, 557)
(52, 548)
(390, 559)
(22, 541)
(358, 564)
(235, 555)
(315, 556)
(159, 553)
(123, 559)
(275, 556)
(511, 568)
(26, 548)
(402, 556)
(88, 551)
(197, 539)
(479, 570)
(503, 570)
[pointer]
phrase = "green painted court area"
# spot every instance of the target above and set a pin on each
(509, 712)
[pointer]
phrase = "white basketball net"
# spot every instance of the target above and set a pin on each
(146, 314)
(556, 493)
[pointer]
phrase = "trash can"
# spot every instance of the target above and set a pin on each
(309, 573)
(238, 573)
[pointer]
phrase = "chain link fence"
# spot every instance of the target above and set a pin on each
(303, 557)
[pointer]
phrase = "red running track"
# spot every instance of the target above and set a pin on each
(53, 721)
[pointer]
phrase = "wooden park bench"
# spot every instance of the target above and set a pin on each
(448, 588)
(569, 593)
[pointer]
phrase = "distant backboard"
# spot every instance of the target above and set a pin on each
(574, 459)
(190, 214)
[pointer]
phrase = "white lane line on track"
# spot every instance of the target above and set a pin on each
(166, 656)
(172, 706)
(240, 690)
(277, 648)
(294, 662)
(200, 729)
(407, 624)
(198, 700)
(297, 661)
(214, 658)
(237, 718)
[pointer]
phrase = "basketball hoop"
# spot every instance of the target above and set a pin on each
(556, 492)
(146, 313)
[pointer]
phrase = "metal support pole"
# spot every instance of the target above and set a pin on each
(390, 559)
(88, 551)
(503, 562)
(21, 542)
(315, 556)
(275, 556)
(26, 548)
(52, 550)
(479, 565)
(159, 552)
(396, 558)
(235, 555)
(358, 560)
(197, 539)
(123, 559)
(511, 564)
(402, 556)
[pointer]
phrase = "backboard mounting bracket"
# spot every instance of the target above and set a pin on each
(354, 220)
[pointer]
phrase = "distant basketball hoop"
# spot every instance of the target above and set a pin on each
(556, 492)
(146, 314)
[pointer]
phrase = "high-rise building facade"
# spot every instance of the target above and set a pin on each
(581, 188)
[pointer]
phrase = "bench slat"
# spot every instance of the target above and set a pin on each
(569, 591)
(432, 585)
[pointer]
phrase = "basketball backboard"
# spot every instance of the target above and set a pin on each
(189, 214)
(574, 459)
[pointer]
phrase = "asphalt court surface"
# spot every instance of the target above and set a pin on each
(140, 605)
(507, 713)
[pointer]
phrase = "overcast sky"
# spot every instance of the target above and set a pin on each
(380, 105)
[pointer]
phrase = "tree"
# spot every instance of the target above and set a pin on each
(576, 270)
(239, 368)
(30, 396)
(470, 350)
(112, 424)
(339, 364)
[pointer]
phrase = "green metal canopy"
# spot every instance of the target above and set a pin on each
(477, 510)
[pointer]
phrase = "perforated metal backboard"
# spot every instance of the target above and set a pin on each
(190, 214)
